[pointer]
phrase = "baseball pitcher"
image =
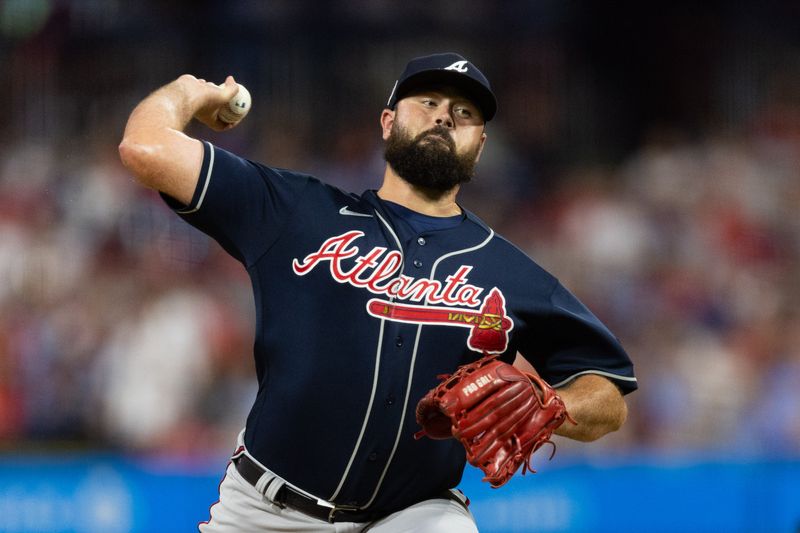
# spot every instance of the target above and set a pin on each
(388, 323)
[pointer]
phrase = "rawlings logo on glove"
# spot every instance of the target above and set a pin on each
(500, 414)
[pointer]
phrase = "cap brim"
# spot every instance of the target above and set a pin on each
(474, 90)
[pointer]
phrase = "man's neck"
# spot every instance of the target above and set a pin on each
(426, 201)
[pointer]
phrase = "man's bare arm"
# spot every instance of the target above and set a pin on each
(597, 406)
(154, 147)
(594, 402)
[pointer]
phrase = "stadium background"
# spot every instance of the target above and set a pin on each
(648, 154)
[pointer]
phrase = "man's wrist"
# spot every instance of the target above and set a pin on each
(179, 103)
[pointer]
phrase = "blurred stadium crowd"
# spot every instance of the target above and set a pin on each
(654, 167)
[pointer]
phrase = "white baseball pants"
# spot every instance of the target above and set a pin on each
(242, 508)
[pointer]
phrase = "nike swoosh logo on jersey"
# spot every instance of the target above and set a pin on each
(346, 211)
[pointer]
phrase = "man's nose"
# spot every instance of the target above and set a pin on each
(444, 119)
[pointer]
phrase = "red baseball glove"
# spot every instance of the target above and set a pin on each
(500, 414)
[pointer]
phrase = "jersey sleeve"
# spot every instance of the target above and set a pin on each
(570, 341)
(242, 204)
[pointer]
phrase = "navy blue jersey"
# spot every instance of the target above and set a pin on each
(356, 315)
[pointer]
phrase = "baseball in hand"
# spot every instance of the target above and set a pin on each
(237, 108)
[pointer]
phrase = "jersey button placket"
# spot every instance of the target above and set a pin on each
(418, 263)
(421, 241)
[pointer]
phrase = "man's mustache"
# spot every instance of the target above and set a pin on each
(439, 131)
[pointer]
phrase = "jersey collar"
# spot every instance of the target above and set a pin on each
(370, 197)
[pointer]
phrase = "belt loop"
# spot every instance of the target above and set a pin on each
(271, 490)
(268, 484)
(457, 496)
(264, 482)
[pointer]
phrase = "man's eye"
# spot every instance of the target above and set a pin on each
(428, 103)
(464, 112)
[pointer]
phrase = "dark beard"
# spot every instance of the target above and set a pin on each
(433, 165)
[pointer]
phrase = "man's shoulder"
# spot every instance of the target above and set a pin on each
(514, 259)
(315, 186)
(497, 241)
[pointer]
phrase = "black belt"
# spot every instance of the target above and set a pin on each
(289, 497)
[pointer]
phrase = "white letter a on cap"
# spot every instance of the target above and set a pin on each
(460, 66)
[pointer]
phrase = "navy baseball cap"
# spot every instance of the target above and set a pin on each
(448, 69)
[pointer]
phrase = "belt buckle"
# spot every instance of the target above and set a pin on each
(340, 508)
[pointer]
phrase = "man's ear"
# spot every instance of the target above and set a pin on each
(387, 120)
(480, 147)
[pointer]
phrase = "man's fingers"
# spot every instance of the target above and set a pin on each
(229, 88)
(212, 99)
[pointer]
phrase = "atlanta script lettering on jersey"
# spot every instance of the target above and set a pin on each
(377, 271)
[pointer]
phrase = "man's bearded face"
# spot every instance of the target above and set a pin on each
(429, 160)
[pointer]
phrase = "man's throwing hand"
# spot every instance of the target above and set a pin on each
(210, 100)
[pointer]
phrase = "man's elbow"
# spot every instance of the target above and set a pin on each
(621, 415)
(138, 158)
(616, 420)
(611, 422)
